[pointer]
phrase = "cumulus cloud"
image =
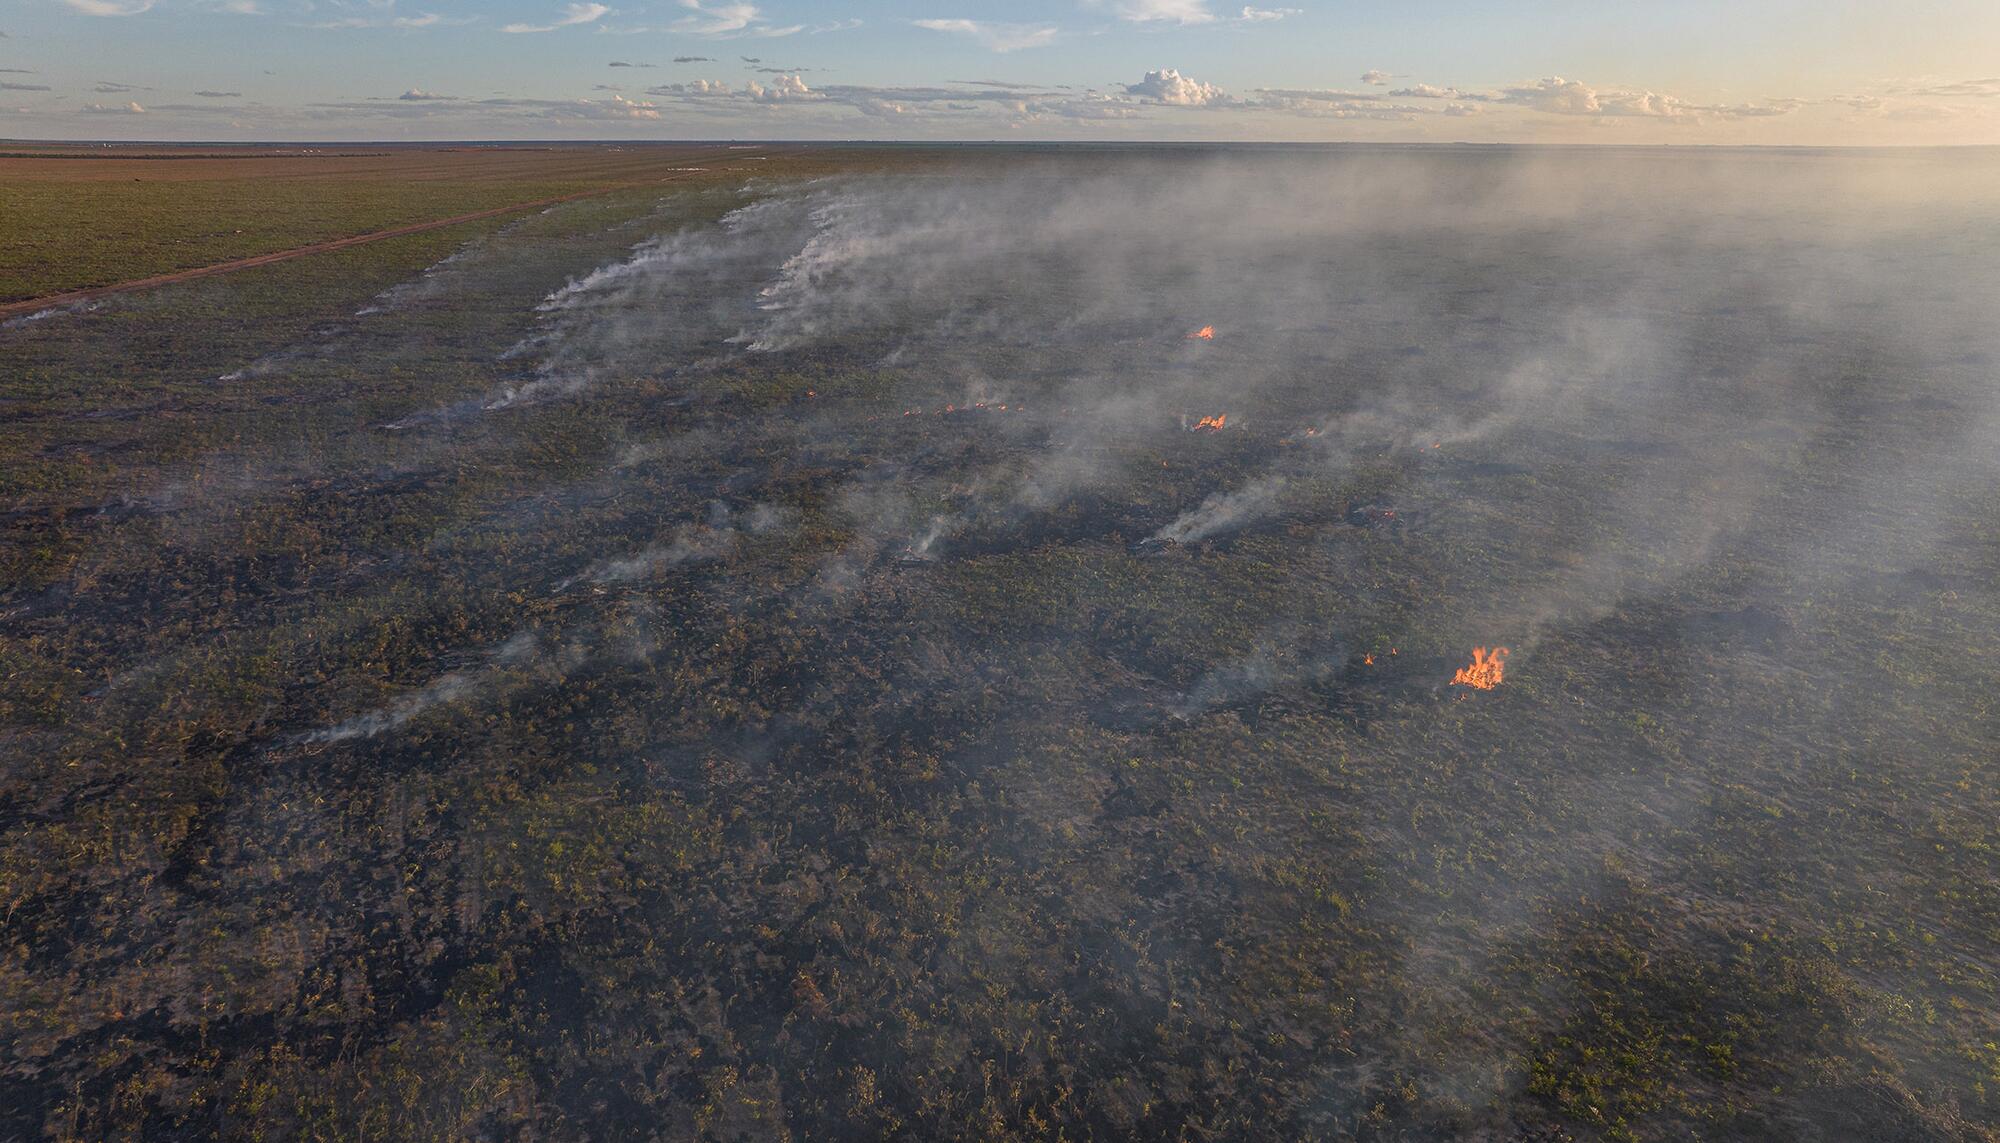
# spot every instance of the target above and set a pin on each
(1555, 95)
(1169, 86)
(572, 15)
(998, 37)
(418, 95)
(784, 87)
(1265, 15)
(113, 109)
(1376, 78)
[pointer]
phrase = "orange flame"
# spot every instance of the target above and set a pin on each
(1205, 333)
(1209, 424)
(1486, 671)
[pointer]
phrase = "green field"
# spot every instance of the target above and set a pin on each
(75, 217)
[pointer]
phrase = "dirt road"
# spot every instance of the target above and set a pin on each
(71, 297)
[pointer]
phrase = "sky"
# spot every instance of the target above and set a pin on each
(1763, 72)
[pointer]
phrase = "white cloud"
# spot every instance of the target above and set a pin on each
(1376, 77)
(616, 107)
(1265, 15)
(1085, 107)
(572, 15)
(783, 88)
(716, 19)
(110, 7)
(1558, 96)
(418, 95)
(1555, 95)
(1333, 104)
(692, 87)
(998, 37)
(1171, 87)
(113, 109)
(1164, 11)
(381, 14)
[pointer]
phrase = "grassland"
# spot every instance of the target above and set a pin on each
(79, 217)
(381, 758)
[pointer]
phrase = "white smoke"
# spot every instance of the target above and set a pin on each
(454, 687)
(1224, 511)
(714, 539)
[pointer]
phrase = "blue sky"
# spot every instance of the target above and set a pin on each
(1752, 71)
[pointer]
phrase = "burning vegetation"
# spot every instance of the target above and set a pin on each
(1487, 671)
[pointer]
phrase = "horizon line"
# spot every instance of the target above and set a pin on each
(866, 142)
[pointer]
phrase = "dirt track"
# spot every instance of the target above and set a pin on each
(71, 297)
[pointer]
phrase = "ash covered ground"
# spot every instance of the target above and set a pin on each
(841, 658)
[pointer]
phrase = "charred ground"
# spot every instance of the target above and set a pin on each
(619, 672)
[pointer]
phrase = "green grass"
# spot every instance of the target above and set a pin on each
(65, 236)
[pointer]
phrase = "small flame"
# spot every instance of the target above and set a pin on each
(1486, 672)
(1205, 333)
(1367, 660)
(1210, 424)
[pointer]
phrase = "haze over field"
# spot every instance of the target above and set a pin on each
(829, 649)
